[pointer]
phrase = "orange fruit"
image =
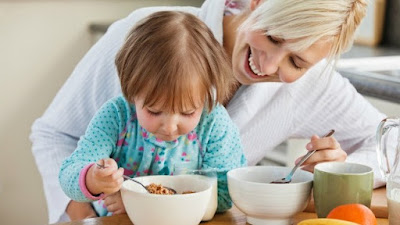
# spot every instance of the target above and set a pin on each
(324, 221)
(356, 213)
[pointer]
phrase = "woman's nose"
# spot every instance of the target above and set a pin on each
(270, 61)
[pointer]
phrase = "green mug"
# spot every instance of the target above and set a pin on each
(339, 183)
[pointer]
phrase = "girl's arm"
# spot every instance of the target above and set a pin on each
(99, 142)
(223, 152)
(80, 210)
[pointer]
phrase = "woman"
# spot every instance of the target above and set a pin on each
(281, 52)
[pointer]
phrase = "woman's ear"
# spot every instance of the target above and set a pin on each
(254, 4)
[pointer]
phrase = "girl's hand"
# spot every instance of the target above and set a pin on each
(107, 179)
(80, 210)
(328, 150)
(114, 203)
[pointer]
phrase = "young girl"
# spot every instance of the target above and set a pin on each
(174, 78)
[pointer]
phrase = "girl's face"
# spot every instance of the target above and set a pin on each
(167, 126)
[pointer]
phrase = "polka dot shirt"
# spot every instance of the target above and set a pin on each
(114, 132)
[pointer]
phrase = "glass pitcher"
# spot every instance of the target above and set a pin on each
(389, 165)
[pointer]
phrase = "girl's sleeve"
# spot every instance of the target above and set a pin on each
(224, 151)
(98, 142)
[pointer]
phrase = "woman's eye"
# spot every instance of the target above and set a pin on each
(294, 64)
(272, 40)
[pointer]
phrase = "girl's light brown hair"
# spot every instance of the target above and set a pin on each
(167, 56)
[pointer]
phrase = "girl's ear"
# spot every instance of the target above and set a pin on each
(132, 100)
(254, 4)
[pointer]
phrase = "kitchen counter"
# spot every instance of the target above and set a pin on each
(231, 217)
(378, 204)
(236, 217)
(380, 84)
(374, 85)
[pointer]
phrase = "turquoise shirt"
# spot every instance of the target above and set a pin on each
(114, 132)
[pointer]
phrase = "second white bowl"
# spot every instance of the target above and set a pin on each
(265, 203)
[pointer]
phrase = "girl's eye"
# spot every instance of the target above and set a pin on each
(272, 40)
(188, 114)
(153, 113)
(294, 64)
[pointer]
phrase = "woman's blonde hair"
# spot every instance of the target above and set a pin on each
(167, 56)
(308, 21)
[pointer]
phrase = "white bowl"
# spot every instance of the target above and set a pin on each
(179, 209)
(265, 203)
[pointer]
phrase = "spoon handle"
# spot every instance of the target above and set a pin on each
(125, 177)
(308, 155)
(130, 178)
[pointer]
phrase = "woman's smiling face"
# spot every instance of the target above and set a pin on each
(260, 58)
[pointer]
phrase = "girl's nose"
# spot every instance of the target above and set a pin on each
(170, 124)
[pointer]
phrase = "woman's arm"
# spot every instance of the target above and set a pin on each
(335, 104)
(54, 136)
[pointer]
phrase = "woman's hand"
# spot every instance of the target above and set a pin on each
(328, 150)
(107, 179)
(80, 210)
(114, 203)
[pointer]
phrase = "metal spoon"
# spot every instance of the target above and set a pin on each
(129, 178)
(288, 178)
(134, 180)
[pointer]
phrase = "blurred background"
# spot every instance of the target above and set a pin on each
(43, 40)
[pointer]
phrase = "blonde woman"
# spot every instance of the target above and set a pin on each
(282, 53)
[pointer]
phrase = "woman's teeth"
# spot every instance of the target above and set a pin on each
(254, 68)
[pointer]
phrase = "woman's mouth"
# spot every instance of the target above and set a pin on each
(251, 68)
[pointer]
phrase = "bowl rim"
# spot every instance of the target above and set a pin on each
(229, 175)
(123, 187)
